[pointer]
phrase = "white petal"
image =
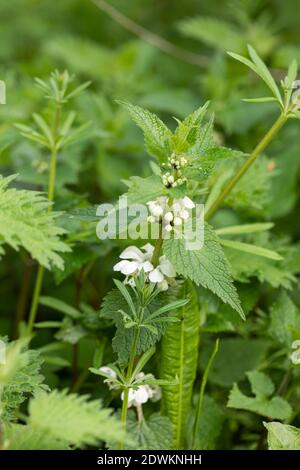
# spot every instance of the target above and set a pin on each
(168, 217)
(296, 344)
(188, 203)
(147, 266)
(168, 228)
(177, 207)
(157, 211)
(184, 214)
(108, 371)
(166, 267)
(156, 276)
(140, 375)
(120, 265)
(148, 249)
(177, 221)
(295, 357)
(132, 252)
(130, 267)
(141, 395)
(163, 285)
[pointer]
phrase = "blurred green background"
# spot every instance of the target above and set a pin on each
(39, 36)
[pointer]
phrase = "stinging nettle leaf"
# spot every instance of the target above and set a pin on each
(156, 133)
(26, 222)
(207, 267)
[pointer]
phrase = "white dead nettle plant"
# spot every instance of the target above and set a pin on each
(135, 260)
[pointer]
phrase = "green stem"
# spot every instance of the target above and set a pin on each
(269, 136)
(201, 394)
(35, 299)
(51, 190)
(126, 390)
(23, 297)
(178, 436)
(158, 247)
(52, 177)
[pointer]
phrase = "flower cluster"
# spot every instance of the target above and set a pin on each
(134, 260)
(142, 393)
(175, 177)
(295, 356)
(137, 396)
(171, 216)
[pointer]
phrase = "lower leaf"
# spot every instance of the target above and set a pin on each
(179, 357)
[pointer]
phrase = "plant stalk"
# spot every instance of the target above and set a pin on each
(51, 190)
(23, 296)
(201, 394)
(157, 248)
(126, 390)
(269, 136)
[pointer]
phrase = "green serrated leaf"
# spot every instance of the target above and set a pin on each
(284, 319)
(72, 419)
(207, 267)
(157, 135)
(26, 222)
(282, 436)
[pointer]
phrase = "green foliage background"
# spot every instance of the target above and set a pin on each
(38, 37)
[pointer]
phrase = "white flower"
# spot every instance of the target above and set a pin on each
(162, 274)
(135, 260)
(108, 371)
(177, 221)
(295, 356)
(168, 217)
(137, 397)
(188, 203)
(142, 394)
(171, 216)
(157, 208)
